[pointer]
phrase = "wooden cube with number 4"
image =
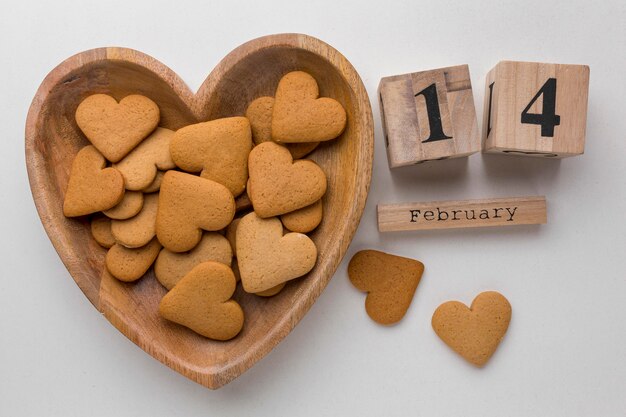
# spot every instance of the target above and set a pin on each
(536, 109)
(428, 116)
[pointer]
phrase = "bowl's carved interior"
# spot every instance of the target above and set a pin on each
(133, 307)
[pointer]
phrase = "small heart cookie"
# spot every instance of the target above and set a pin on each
(188, 205)
(116, 128)
(259, 112)
(140, 166)
(92, 187)
(130, 205)
(129, 265)
(140, 229)
(266, 258)
(101, 231)
(231, 235)
(272, 291)
(300, 116)
(202, 302)
(389, 280)
(217, 149)
(170, 267)
(156, 184)
(278, 185)
(305, 219)
(475, 332)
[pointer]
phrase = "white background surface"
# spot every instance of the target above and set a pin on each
(565, 351)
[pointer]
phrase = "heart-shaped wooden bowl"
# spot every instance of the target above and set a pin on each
(250, 71)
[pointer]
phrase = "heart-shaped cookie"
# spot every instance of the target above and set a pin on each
(101, 231)
(202, 302)
(91, 187)
(217, 149)
(116, 128)
(304, 220)
(170, 267)
(156, 184)
(266, 258)
(188, 205)
(140, 166)
(389, 280)
(130, 205)
(474, 332)
(300, 116)
(129, 265)
(259, 112)
(140, 229)
(278, 185)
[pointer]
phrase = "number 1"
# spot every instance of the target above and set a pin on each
(434, 114)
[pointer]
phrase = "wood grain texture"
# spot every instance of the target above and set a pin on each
(462, 214)
(405, 116)
(250, 71)
(514, 86)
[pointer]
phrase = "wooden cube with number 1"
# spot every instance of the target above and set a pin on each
(535, 109)
(428, 116)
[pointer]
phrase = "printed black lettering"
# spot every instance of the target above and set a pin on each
(512, 213)
(434, 114)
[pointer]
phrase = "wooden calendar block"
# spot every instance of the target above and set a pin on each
(491, 212)
(428, 116)
(535, 109)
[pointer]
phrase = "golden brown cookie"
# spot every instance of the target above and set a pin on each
(259, 112)
(305, 219)
(116, 128)
(231, 235)
(140, 166)
(140, 229)
(130, 205)
(235, 268)
(156, 184)
(266, 258)
(188, 205)
(272, 291)
(217, 149)
(475, 332)
(278, 185)
(101, 231)
(300, 116)
(170, 267)
(91, 187)
(131, 264)
(390, 282)
(202, 302)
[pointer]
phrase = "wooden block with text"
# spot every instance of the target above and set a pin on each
(428, 116)
(535, 109)
(462, 214)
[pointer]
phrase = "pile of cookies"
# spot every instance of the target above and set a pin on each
(163, 197)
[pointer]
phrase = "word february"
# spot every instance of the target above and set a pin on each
(459, 214)
(443, 215)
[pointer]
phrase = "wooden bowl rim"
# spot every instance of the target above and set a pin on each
(213, 378)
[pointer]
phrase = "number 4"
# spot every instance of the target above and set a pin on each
(548, 118)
